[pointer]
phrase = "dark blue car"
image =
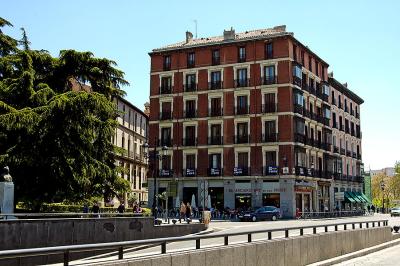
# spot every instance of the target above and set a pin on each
(263, 213)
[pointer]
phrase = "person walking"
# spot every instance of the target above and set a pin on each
(96, 210)
(121, 208)
(182, 212)
(188, 211)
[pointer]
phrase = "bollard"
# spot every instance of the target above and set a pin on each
(249, 238)
(336, 227)
(326, 228)
(345, 227)
(314, 230)
(225, 240)
(367, 224)
(286, 233)
(66, 258)
(360, 225)
(269, 235)
(120, 253)
(301, 231)
(163, 247)
(198, 243)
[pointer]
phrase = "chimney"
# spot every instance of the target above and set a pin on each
(147, 109)
(229, 34)
(280, 28)
(189, 36)
(345, 84)
(330, 74)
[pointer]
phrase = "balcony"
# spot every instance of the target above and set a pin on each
(347, 130)
(297, 81)
(297, 108)
(337, 176)
(166, 66)
(309, 141)
(241, 59)
(242, 83)
(242, 110)
(318, 144)
(354, 155)
(326, 146)
(239, 139)
(327, 175)
(215, 85)
(299, 137)
(325, 121)
(312, 90)
(333, 101)
(165, 115)
(357, 115)
(324, 97)
(190, 87)
(301, 171)
(271, 170)
(334, 124)
(190, 114)
(359, 156)
(215, 140)
(189, 141)
(269, 80)
(165, 172)
(241, 171)
(358, 179)
(341, 128)
(351, 111)
(346, 109)
(190, 63)
(165, 89)
(269, 108)
(215, 171)
(342, 151)
(271, 137)
(164, 142)
(215, 112)
(336, 149)
(189, 172)
(304, 84)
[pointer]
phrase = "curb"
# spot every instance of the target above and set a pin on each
(357, 254)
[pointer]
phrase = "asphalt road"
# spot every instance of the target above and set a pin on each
(234, 227)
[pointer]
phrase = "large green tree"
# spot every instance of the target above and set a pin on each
(57, 141)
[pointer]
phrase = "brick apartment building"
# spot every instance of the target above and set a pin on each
(252, 119)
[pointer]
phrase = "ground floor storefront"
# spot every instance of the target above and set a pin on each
(290, 194)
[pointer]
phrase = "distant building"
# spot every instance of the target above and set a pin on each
(388, 171)
(130, 135)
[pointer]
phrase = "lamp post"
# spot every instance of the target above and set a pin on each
(153, 158)
(383, 196)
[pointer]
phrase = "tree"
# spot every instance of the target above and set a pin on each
(57, 142)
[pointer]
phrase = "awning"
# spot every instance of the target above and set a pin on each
(348, 197)
(358, 194)
(355, 198)
(365, 198)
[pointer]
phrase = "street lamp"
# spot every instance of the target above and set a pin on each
(383, 196)
(153, 158)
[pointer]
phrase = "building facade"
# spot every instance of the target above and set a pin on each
(249, 120)
(130, 135)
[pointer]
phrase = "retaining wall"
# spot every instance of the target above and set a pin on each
(299, 250)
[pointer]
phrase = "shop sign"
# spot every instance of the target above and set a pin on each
(237, 171)
(215, 171)
(302, 189)
(272, 187)
(272, 170)
(339, 196)
(310, 171)
(190, 172)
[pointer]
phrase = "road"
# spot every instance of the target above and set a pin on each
(386, 257)
(234, 227)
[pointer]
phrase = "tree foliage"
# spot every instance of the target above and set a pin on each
(57, 141)
(391, 189)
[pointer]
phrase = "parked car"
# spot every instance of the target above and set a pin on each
(263, 213)
(395, 211)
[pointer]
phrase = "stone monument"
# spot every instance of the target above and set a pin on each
(6, 193)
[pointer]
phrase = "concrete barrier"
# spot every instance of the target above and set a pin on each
(19, 234)
(299, 250)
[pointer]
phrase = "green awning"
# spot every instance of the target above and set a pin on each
(365, 197)
(358, 194)
(348, 197)
(355, 198)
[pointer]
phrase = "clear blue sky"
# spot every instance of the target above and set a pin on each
(359, 39)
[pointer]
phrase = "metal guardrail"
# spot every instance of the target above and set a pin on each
(66, 250)
(335, 214)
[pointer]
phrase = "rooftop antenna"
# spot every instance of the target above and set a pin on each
(195, 23)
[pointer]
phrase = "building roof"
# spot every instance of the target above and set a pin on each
(242, 36)
(125, 101)
(259, 34)
(343, 89)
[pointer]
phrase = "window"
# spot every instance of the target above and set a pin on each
(190, 82)
(166, 110)
(269, 103)
(295, 52)
(216, 137)
(241, 104)
(270, 158)
(302, 57)
(269, 51)
(317, 68)
(309, 63)
(242, 133)
(270, 131)
(215, 160)
(215, 107)
(241, 77)
(325, 89)
(191, 161)
(333, 98)
(243, 160)
(190, 108)
(269, 75)
(215, 80)
(242, 54)
(167, 62)
(334, 120)
(215, 57)
(190, 59)
(297, 74)
(327, 113)
(165, 136)
(298, 98)
(299, 127)
(166, 85)
(190, 139)
(166, 162)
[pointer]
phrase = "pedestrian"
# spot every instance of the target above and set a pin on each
(121, 208)
(96, 210)
(85, 208)
(182, 212)
(188, 211)
(134, 208)
(368, 208)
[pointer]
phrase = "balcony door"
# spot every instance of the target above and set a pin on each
(269, 102)
(242, 132)
(190, 132)
(166, 136)
(215, 106)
